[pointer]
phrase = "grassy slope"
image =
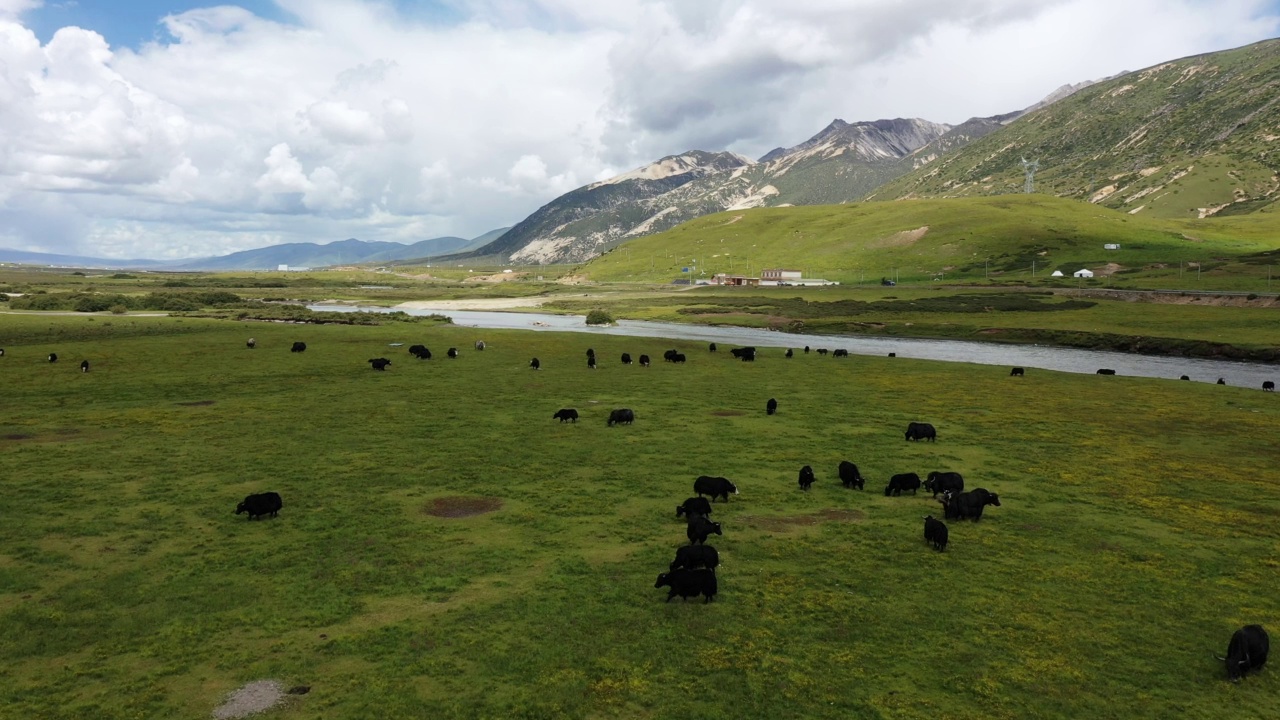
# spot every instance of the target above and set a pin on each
(1125, 550)
(1166, 141)
(849, 242)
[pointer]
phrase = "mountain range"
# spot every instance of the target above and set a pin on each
(1190, 138)
(343, 252)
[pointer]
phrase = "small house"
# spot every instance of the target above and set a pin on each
(1083, 274)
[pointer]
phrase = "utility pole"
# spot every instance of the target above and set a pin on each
(1033, 268)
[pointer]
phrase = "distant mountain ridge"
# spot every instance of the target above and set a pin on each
(343, 252)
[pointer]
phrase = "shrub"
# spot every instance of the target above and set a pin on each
(599, 317)
(1252, 296)
(118, 309)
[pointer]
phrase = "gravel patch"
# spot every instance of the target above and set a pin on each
(253, 698)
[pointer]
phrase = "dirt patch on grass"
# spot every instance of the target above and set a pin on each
(901, 239)
(1108, 270)
(256, 697)
(785, 523)
(196, 403)
(728, 413)
(457, 507)
(16, 436)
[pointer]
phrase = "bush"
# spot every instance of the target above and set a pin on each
(1252, 296)
(599, 317)
(118, 309)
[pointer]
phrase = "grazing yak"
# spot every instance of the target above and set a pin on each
(626, 358)
(251, 344)
(940, 482)
(1017, 372)
(298, 347)
(840, 353)
(379, 363)
(591, 353)
(84, 366)
(260, 504)
(712, 347)
(893, 354)
(1184, 377)
(678, 358)
(669, 355)
(621, 416)
(690, 557)
(714, 486)
(694, 505)
(535, 364)
(452, 353)
(849, 475)
(688, 583)
(479, 345)
(591, 362)
(806, 349)
(742, 352)
(1, 352)
(644, 361)
(771, 407)
(748, 357)
(935, 532)
(420, 351)
(1247, 651)
(1222, 381)
(566, 415)
(968, 505)
(53, 357)
(1106, 371)
(790, 354)
(699, 528)
(921, 431)
(1267, 385)
(900, 482)
(823, 351)
(806, 478)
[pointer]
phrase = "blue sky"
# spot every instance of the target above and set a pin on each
(131, 23)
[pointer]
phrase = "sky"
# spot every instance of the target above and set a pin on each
(168, 129)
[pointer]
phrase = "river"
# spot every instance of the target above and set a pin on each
(1032, 356)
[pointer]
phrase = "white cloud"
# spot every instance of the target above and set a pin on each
(355, 121)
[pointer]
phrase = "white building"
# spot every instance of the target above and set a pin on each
(1056, 273)
(1083, 274)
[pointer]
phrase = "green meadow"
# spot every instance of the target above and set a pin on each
(1012, 239)
(1137, 530)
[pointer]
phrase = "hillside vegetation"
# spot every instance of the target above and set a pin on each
(448, 550)
(966, 238)
(1185, 139)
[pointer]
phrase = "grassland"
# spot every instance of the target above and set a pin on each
(1137, 531)
(987, 240)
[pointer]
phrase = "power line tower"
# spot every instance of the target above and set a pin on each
(1030, 167)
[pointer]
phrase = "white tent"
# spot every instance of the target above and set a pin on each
(1056, 273)
(1084, 273)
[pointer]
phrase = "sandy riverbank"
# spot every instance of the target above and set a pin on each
(473, 304)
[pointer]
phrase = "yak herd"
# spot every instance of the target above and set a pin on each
(693, 571)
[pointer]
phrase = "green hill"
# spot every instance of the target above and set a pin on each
(947, 239)
(1186, 139)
